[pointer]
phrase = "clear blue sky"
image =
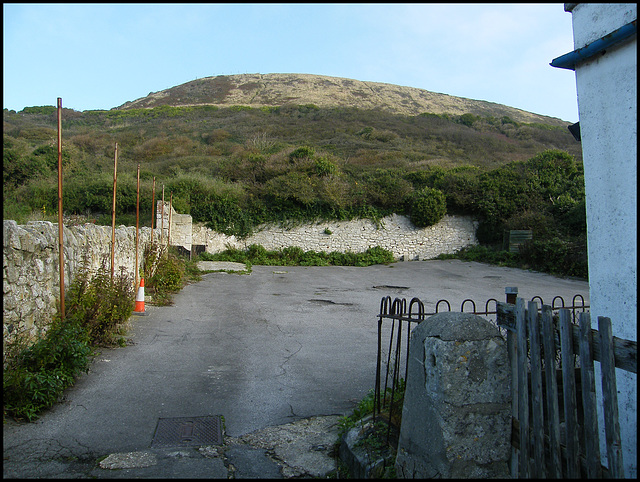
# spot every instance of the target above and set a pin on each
(99, 56)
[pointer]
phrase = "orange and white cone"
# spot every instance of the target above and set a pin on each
(139, 308)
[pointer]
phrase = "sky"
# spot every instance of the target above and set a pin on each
(99, 56)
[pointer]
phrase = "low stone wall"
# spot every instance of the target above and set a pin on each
(395, 233)
(31, 275)
(30, 252)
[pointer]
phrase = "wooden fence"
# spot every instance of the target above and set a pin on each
(555, 424)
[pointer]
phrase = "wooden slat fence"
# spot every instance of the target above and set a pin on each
(555, 426)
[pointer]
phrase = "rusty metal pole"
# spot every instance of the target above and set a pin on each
(162, 219)
(113, 212)
(153, 206)
(60, 225)
(137, 224)
(170, 212)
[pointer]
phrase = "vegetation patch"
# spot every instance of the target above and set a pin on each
(37, 371)
(235, 168)
(295, 256)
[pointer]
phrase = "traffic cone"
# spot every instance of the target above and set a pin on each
(139, 308)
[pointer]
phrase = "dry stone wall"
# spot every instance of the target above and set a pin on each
(31, 279)
(394, 233)
(30, 252)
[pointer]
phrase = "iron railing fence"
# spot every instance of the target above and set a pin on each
(403, 315)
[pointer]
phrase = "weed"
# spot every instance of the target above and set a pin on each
(36, 375)
(36, 372)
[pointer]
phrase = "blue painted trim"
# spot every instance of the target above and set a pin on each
(569, 61)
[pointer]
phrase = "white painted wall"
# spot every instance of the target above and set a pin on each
(607, 105)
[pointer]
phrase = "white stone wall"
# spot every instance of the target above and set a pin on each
(395, 233)
(181, 226)
(31, 279)
(607, 103)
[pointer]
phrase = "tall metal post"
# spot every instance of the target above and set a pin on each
(170, 211)
(162, 219)
(60, 225)
(137, 226)
(153, 206)
(113, 212)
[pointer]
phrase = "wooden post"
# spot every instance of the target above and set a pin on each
(60, 225)
(137, 227)
(552, 392)
(590, 417)
(511, 295)
(523, 389)
(537, 409)
(113, 211)
(569, 392)
(610, 399)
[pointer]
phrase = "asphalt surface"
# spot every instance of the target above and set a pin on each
(280, 354)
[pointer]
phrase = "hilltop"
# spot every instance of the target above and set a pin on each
(240, 151)
(259, 90)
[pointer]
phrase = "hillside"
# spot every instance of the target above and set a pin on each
(239, 151)
(258, 90)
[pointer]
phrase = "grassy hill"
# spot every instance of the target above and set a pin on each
(236, 151)
(271, 90)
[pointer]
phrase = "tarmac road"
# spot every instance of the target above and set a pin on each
(271, 351)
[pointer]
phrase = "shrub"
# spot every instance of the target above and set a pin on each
(386, 188)
(325, 167)
(428, 207)
(304, 152)
(294, 256)
(17, 169)
(168, 274)
(36, 373)
(557, 256)
(35, 376)
(101, 304)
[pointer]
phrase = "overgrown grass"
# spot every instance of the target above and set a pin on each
(38, 369)
(379, 437)
(295, 256)
(553, 256)
(97, 309)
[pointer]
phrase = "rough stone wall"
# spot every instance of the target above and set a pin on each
(181, 226)
(30, 252)
(395, 233)
(31, 279)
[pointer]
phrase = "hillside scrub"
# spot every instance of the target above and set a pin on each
(235, 168)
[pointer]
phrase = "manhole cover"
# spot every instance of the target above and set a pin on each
(188, 432)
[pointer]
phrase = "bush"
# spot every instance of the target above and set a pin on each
(168, 274)
(295, 256)
(557, 256)
(35, 376)
(301, 153)
(428, 207)
(325, 167)
(36, 373)
(101, 304)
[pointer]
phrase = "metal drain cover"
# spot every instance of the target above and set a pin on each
(188, 432)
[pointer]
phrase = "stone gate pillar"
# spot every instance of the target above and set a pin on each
(456, 418)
